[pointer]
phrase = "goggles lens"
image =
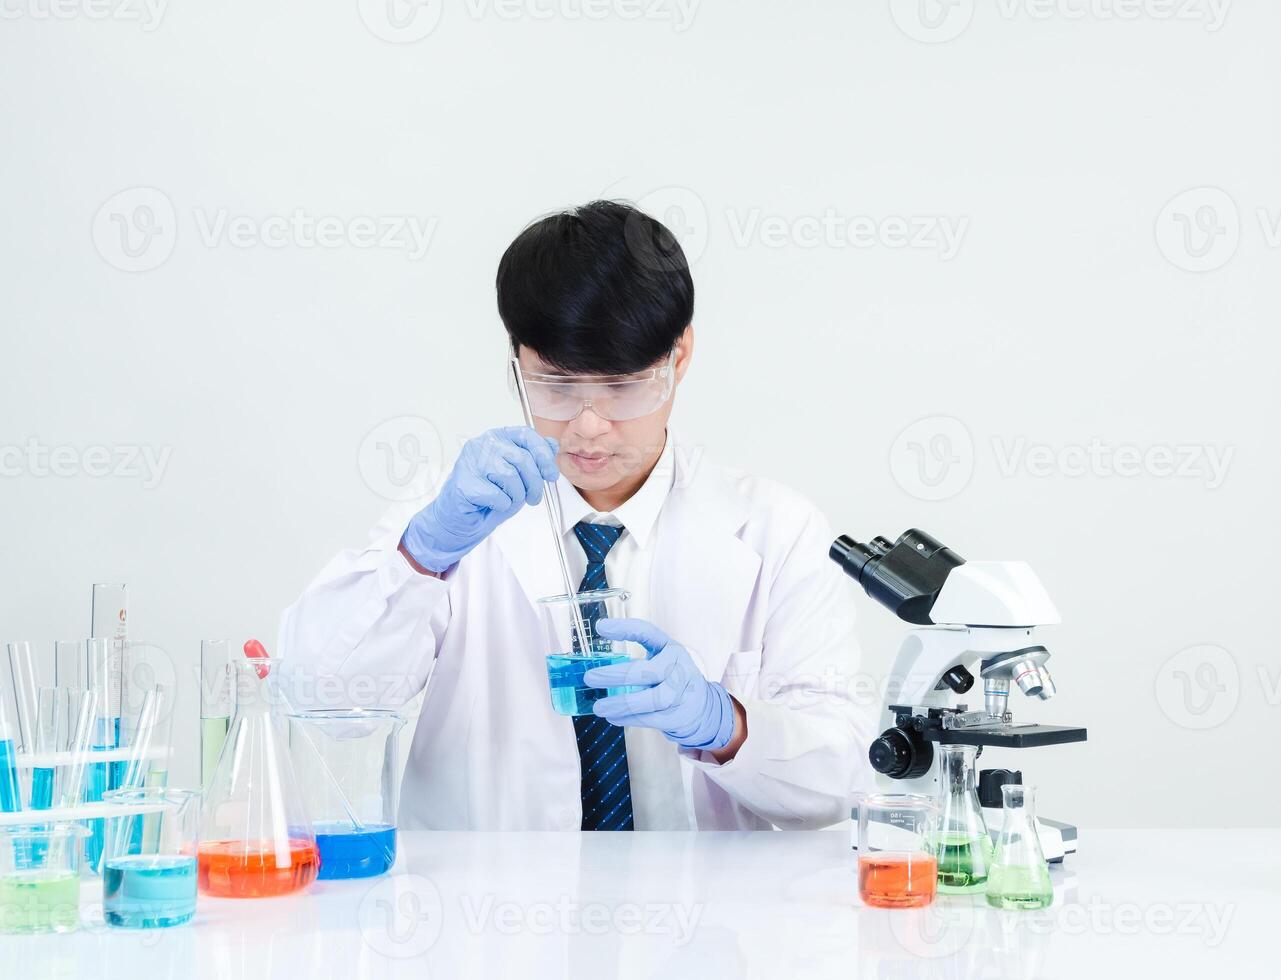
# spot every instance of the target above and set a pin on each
(617, 398)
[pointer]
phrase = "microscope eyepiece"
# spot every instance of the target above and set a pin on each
(905, 576)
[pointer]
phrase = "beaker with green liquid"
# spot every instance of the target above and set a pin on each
(1020, 878)
(40, 877)
(964, 849)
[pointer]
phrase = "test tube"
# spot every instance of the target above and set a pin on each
(83, 717)
(110, 622)
(104, 680)
(10, 791)
(215, 703)
(22, 670)
(48, 702)
(68, 664)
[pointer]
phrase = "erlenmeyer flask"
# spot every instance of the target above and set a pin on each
(1020, 878)
(256, 839)
(964, 847)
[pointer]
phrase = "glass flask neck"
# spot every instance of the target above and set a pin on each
(956, 765)
(255, 690)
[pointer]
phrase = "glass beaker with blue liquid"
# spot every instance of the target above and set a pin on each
(566, 663)
(345, 760)
(149, 857)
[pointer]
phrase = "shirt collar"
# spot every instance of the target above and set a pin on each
(638, 513)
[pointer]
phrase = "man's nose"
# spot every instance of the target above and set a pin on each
(589, 425)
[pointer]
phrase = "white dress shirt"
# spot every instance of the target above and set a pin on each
(658, 795)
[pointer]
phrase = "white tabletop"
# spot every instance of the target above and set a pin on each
(674, 905)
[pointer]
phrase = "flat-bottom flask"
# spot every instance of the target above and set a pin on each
(964, 848)
(1020, 878)
(256, 839)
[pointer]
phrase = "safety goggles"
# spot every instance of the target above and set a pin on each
(616, 397)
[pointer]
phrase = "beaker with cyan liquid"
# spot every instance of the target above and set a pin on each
(149, 858)
(345, 761)
(964, 846)
(256, 838)
(566, 662)
(897, 841)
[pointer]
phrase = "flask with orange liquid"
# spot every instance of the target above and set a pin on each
(897, 868)
(256, 839)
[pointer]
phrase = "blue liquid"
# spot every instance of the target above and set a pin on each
(344, 853)
(41, 788)
(147, 891)
(95, 786)
(10, 794)
(570, 696)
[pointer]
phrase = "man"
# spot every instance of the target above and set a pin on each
(742, 720)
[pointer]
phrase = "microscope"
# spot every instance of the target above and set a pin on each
(971, 621)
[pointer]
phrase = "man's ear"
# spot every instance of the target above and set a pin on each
(684, 352)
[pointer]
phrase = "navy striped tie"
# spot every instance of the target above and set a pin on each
(602, 749)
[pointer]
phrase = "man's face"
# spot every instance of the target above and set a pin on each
(597, 454)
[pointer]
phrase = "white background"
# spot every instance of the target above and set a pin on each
(1090, 301)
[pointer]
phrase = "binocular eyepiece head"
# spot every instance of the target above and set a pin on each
(904, 576)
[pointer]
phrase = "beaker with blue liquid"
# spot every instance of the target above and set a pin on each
(149, 857)
(345, 760)
(566, 662)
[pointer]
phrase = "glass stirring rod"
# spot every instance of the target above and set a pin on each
(552, 500)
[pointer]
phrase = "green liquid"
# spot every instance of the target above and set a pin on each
(964, 863)
(39, 901)
(1019, 888)
(213, 732)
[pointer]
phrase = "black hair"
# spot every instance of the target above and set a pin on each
(599, 289)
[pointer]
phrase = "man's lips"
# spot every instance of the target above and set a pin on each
(589, 461)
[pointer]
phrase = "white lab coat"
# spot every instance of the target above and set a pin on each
(740, 576)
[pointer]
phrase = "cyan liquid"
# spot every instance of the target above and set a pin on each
(570, 696)
(149, 891)
(346, 853)
(41, 788)
(95, 786)
(10, 793)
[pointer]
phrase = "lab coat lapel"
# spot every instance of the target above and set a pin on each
(525, 541)
(703, 576)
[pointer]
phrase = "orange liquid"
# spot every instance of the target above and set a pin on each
(897, 881)
(236, 869)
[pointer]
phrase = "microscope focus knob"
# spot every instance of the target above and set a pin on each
(959, 679)
(900, 753)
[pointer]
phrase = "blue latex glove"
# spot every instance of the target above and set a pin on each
(678, 700)
(496, 474)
